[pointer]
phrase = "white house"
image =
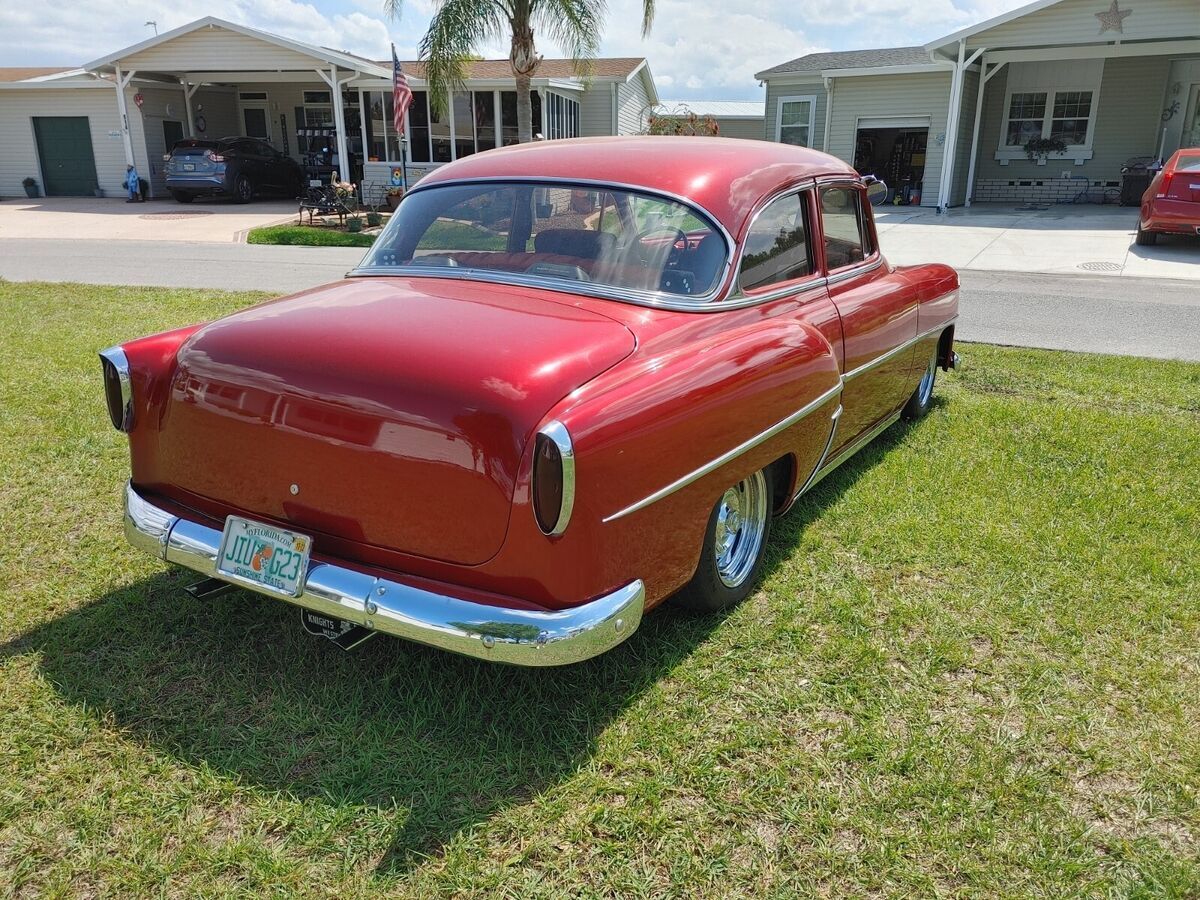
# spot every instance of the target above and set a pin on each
(75, 130)
(950, 120)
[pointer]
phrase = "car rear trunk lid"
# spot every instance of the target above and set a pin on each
(392, 412)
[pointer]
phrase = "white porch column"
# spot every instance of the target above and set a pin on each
(339, 122)
(828, 114)
(189, 91)
(984, 77)
(950, 146)
(122, 82)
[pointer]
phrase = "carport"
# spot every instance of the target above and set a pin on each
(212, 78)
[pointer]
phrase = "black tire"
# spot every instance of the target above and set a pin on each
(1146, 238)
(713, 589)
(243, 190)
(922, 398)
(183, 196)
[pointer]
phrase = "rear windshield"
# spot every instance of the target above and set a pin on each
(192, 147)
(1188, 162)
(554, 232)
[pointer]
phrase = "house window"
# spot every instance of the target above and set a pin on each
(1072, 113)
(317, 97)
(562, 117)
(794, 120)
(1026, 118)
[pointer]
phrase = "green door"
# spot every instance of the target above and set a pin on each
(65, 149)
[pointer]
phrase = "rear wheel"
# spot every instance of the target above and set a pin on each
(243, 190)
(1146, 238)
(922, 398)
(183, 196)
(735, 545)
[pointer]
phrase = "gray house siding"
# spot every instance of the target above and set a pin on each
(962, 149)
(1073, 22)
(1127, 124)
(751, 129)
(918, 94)
(633, 101)
(777, 89)
(595, 110)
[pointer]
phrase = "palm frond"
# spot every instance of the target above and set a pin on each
(393, 8)
(455, 30)
(574, 25)
(647, 16)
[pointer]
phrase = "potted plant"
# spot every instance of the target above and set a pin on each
(354, 224)
(1038, 149)
(31, 188)
(374, 219)
(393, 197)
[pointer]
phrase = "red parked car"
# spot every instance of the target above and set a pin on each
(1171, 204)
(570, 380)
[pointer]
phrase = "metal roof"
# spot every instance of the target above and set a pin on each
(724, 109)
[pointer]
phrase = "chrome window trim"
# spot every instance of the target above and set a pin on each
(657, 299)
(116, 357)
(729, 455)
(557, 432)
(900, 348)
(813, 278)
(874, 261)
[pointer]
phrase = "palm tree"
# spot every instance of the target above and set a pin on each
(459, 26)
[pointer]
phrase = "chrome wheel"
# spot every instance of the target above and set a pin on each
(925, 388)
(741, 528)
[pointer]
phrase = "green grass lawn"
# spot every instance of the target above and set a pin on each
(308, 236)
(973, 669)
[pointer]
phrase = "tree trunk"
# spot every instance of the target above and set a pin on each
(524, 110)
(523, 57)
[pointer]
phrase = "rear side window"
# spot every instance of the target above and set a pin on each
(1188, 162)
(847, 239)
(776, 247)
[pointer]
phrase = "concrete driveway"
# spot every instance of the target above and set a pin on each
(206, 221)
(1061, 240)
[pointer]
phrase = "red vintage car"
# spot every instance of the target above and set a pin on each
(570, 380)
(1171, 204)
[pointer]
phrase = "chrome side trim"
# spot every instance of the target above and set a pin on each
(516, 636)
(557, 432)
(116, 358)
(861, 268)
(866, 438)
(837, 416)
(898, 349)
(713, 465)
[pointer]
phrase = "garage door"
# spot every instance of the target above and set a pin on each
(895, 122)
(65, 149)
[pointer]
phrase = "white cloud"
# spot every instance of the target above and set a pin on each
(698, 48)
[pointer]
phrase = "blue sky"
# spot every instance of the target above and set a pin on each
(699, 49)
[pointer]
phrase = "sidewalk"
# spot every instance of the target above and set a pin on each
(1061, 240)
(213, 220)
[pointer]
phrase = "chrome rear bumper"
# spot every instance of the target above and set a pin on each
(517, 636)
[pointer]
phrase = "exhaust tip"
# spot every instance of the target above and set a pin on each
(955, 361)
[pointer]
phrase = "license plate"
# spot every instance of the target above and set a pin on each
(264, 556)
(189, 167)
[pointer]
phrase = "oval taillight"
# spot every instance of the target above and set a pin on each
(118, 390)
(553, 479)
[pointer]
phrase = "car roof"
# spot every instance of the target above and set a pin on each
(725, 176)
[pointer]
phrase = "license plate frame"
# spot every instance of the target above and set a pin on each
(286, 579)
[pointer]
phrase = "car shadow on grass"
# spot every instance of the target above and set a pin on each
(439, 742)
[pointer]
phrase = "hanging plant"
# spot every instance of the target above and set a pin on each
(1038, 149)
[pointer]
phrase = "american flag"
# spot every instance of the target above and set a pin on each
(401, 94)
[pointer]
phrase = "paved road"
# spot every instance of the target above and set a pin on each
(1135, 316)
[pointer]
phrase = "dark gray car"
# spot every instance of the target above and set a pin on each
(237, 167)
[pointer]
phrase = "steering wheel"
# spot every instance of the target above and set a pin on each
(677, 237)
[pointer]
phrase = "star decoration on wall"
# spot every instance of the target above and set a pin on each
(1113, 18)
